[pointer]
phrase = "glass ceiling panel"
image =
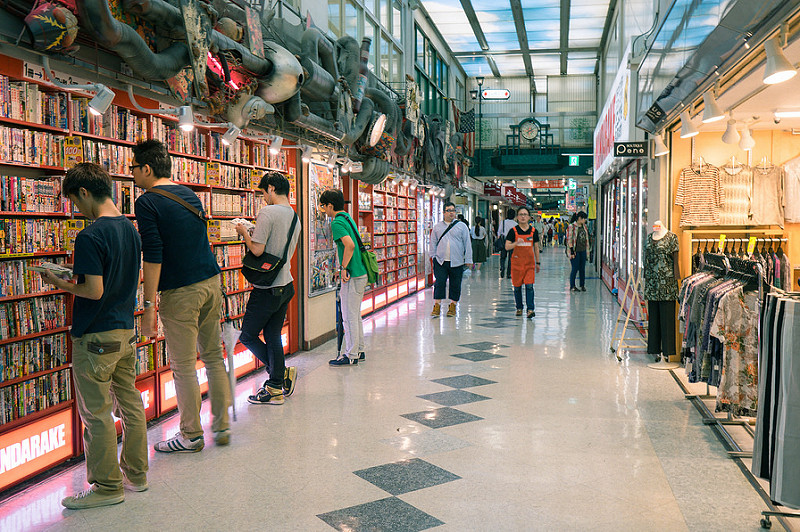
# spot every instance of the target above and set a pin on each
(546, 64)
(527, 4)
(452, 23)
(510, 65)
(475, 66)
(581, 66)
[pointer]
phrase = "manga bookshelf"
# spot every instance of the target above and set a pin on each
(44, 131)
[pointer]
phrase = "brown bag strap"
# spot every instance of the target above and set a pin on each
(180, 200)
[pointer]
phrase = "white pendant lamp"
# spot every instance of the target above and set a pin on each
(712, 111)
(747, 142)
(731, 135)
(778, 69)
(687, 128)
(660, 148)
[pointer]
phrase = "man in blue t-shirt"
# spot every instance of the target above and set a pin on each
(103, 340)
(179, 263)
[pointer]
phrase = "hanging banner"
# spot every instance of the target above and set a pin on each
(614, 124)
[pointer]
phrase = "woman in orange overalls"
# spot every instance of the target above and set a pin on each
(523, 241)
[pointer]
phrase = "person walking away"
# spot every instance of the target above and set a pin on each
(353, 275)
(577, 247)
(523, 242)
(561, 232)
(266, 308)
(104, 342)
(179, 263)
(451, 249)
(506, 226)
(550, 234)
(478, 235)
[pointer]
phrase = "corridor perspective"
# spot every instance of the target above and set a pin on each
(485, 421)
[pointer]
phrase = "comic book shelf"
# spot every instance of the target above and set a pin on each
(388, 217)
(43, 131)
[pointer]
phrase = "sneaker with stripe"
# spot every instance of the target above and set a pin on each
(179, 444)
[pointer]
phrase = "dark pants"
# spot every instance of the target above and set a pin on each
(528, 296)
(503, 256)
(578, 268)
(661, 328)
(443, 272)
(266, 312)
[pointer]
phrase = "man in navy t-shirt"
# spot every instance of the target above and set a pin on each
(179, 263)
(107, 255)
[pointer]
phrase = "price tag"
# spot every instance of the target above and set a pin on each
(721, 244)
(751, 246)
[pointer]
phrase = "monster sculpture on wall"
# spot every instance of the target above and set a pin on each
(303, 78)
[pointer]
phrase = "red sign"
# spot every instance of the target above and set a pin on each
(491, 189)
(509, 192)
(35, 447)
(546, 183)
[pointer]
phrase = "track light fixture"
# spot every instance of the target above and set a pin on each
(183, 112)
(230, 136)
(687, 128)
(660, 148)
(747, 142)
(712, 111)
(731, 135)
(778, 68)
(101, 101)
(331, 162)
(414, 184)
(275, 145)
(306, 153)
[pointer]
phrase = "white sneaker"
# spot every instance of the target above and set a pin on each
(179, 444)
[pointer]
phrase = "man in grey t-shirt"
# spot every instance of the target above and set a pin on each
(266, 309)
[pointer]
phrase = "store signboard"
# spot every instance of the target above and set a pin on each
(542, 183)
(473, 185)
(35, 447)
(614, 124)
(491, 189)
(509, 192)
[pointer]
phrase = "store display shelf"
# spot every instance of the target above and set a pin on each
(227, 242)
(29, 214)
(231, 216)
(121, 176)
(242, 291)
(34, 254)
(188, 184)
(231, 163)
(270, 168)
(28, 296)
(32, 125)
(24, 420)
(54, 169)
(230, 267)
(102, 138)
(237, 189)
(48, 332)
(29, 376)
(150, 341)
(189, 155)
(148, 373)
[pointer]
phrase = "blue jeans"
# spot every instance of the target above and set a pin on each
(578, 267)
(528, 296)
(265, 312)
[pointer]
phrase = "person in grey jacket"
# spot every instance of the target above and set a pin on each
(451, 249)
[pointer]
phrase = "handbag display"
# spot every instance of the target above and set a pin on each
(368, 257)
(264, 269)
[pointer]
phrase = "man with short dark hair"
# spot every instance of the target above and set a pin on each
(179, 263)
(577, 247)
(451, 248)
(103, 341)
(266, 308)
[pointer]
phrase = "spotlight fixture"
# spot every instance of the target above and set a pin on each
(747, 142)
(687, 128)
(712, 111)
(778, 68)
(660, 148)
(183, 112)
(101, 101)
(731, 135)
(275, 145)
(331, 162)
(306, 153)
(230, 136)
(442, 193)
(347, 166)
(414, 184)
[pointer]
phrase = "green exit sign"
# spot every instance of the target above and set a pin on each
(574, 160)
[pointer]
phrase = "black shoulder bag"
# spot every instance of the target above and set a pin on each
(264, 269)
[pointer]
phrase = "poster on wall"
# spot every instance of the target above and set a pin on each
(321, 247)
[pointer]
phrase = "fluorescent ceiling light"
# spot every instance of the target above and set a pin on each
(712, 111)
(102, 100)
(275, 145)
(687, 128)
(660, 148)
(230, 136)
(731, 135)
(778, 68)
(787, 114)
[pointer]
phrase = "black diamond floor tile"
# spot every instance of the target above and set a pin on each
(386, 515)
(441, 417)
(406, 476)
(463, 381)
(495, 325)
(453, 397)
(477, 356)
(482, 346)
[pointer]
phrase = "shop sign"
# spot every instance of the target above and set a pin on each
(614, 124)
(473, 185)
(543, 183)
(496, 94)
(491, 189)
(630, 149)
(34, 72)
(509, 192)
(35, 446)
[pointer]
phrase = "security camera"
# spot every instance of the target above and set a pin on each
(776, 119)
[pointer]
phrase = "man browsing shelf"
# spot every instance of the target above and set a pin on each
(179, 263)
(103, 340)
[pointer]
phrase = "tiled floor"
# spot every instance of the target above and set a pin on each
(480, 422)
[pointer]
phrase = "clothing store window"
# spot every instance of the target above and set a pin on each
(624, 216)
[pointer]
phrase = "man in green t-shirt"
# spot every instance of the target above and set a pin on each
(353, 276)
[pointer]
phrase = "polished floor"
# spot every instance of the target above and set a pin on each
(485, 421)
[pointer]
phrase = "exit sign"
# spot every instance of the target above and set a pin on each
(574, 160)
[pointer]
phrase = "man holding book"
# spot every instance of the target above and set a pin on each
(103, 341)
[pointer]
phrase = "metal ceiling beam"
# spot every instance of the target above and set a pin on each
(612, 5)
(493, 66)
(538, 51)
(522, 35)
(476, 26)
(565, 8)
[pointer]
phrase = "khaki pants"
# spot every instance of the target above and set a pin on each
(191, 318)
(104, 368)
(351, 294)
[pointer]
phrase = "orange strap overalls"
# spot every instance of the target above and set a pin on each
(523, 261)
